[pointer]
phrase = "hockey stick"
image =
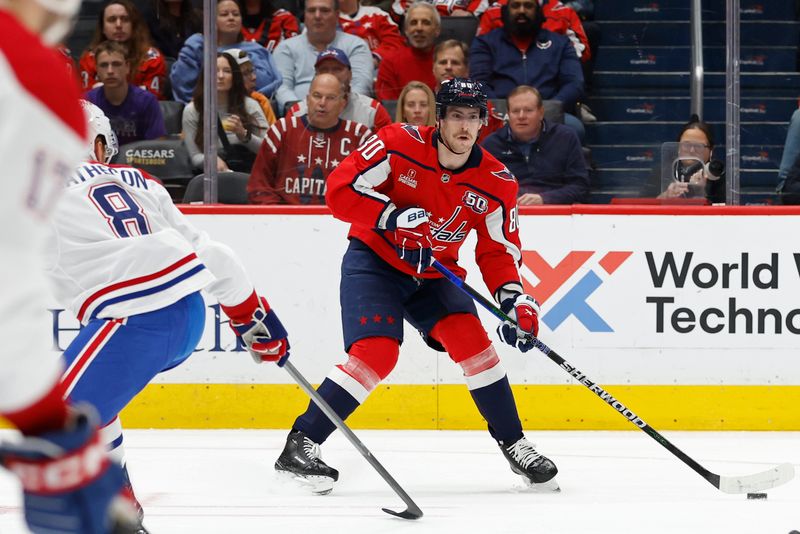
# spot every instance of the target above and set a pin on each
(412, 511)
(756, 482)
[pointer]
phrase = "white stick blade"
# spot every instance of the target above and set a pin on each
(765, 480)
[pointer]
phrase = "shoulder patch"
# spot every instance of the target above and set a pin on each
(413, 131)
(544, 45)
(505, 174)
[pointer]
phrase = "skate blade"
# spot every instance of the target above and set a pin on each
(318, 485)
(551, 486)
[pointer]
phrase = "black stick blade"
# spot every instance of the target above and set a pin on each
(412, 512)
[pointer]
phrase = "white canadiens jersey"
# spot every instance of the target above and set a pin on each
(121, 247)
(41, 140)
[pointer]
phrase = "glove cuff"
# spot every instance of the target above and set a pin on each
(507, 305)
(243, 312)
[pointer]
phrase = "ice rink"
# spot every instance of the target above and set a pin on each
(612, 482)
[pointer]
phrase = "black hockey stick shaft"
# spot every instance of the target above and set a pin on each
(412, 511)
(578, 375)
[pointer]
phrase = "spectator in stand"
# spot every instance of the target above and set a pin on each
(171, 22)
(297, 56)
(119, 20)
(359, 108)
(249, 78)
(186, 70)
(416, 105)
(243, 123)
(791, 149)
(262, 23)
(446, 8)
(372, 24)
(133, 112)
(298, 153)
(558, 18)
(546, 158)
(522, 52)
(696, 176)
(450, 61)
(422, 25)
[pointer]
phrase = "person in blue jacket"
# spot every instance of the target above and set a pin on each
(545, 157)
(187, 67)
(523, 53)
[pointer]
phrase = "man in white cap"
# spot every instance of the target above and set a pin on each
(360, 108)
(68, 482)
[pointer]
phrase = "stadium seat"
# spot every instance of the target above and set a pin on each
(391, 107)
(460, 28)
(231, 188)
(165, 159)
(173, 116)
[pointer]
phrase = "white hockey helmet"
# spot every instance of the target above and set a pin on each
(66, 11)
(100, 125)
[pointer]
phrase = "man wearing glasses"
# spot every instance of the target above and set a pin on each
(298, 153)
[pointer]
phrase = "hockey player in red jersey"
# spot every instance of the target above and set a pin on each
(69, 485)
(412, 193)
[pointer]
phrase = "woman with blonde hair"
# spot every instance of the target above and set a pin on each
(416, 105)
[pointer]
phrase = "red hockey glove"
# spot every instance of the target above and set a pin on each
(260, 331)
(412, 236)
(68, 482)
(525, 311)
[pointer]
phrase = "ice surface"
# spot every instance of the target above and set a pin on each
(612, 482)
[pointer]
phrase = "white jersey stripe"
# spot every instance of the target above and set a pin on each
(89, 353)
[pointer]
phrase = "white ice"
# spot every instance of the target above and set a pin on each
(612, 482)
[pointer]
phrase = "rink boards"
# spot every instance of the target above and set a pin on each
(689, 316)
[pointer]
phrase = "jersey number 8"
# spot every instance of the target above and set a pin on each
(123, 214)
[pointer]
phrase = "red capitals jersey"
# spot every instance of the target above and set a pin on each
(282, 25)
(150, 75)
(295, 159)
(374, 26)
(399, 166)
(444, 7)
(558, 18)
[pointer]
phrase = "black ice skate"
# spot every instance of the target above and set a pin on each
(536, 470)
(301, 460)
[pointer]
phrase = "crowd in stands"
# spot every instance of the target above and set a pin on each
(380, 63)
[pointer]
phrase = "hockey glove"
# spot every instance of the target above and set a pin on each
(69, 484)
(524, 310)
(262, 333)
(412, 236)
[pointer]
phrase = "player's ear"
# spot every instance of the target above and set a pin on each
(100, 149)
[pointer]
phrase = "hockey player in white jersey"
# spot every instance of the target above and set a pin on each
(68, 483)
(130, 266)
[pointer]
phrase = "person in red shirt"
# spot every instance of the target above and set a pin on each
(446, 8)
(372, 24)
(409, 193)
(265, 25)
(298, 153)
(450, 60)
(413, 62)
(120, 21)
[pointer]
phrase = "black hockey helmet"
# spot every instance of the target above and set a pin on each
(461, 92)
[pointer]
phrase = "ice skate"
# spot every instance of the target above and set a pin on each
(536, 470)
(301, 460)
